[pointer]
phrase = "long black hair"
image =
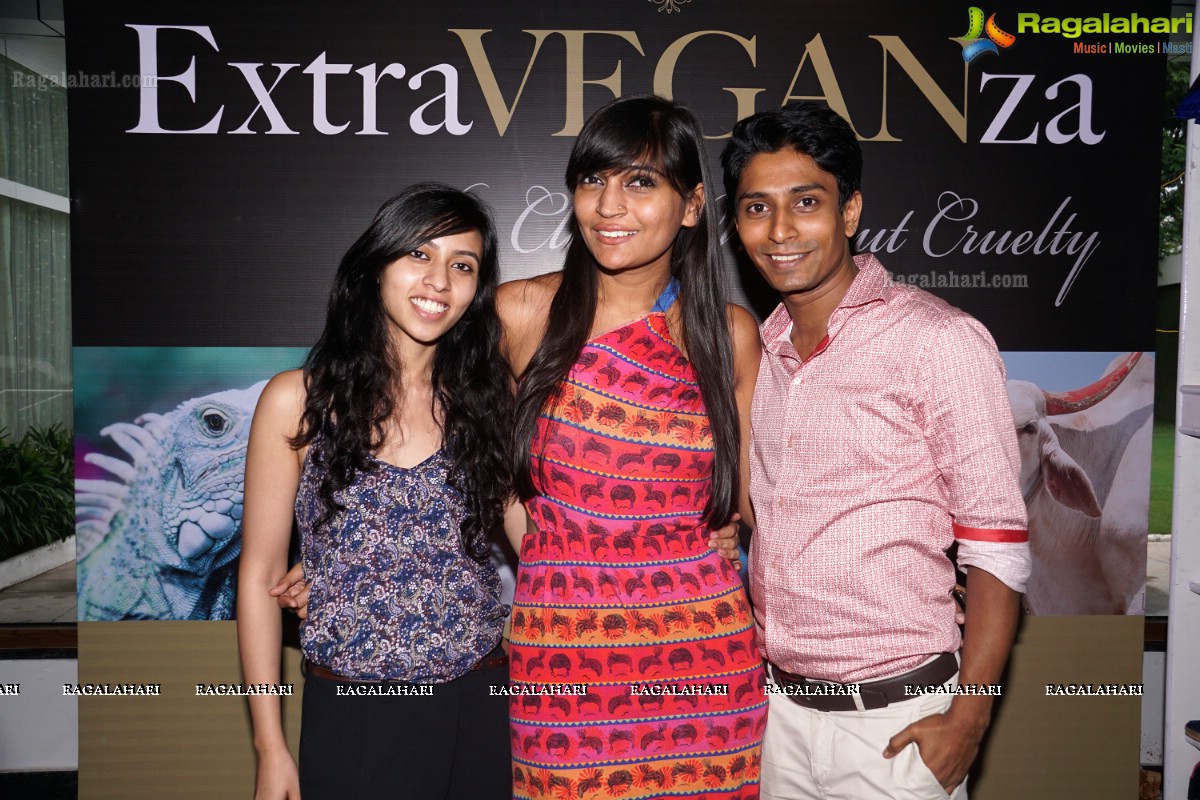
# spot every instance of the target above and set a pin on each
(643, 129)
(352, 374)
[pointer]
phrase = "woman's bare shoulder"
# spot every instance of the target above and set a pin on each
(524, 308)
(742, 324)
(282, 401)
(527, 298)
(743, 330)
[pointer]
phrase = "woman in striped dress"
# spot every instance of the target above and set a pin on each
(634, 668)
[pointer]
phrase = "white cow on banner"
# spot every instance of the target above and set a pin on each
(1085, 476)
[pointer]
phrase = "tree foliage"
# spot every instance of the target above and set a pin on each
(1174, 159)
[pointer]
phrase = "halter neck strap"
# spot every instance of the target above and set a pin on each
(667, 297)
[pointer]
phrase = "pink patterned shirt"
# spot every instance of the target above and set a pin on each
(891, 442)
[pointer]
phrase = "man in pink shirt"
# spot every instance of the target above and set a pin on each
(881, 436)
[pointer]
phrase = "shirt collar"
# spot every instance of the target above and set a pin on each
(871, 284)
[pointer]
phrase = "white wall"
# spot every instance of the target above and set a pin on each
(39, 728)
(1183, 645)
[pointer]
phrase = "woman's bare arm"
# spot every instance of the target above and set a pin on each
(272, 480)
(516, 523)
(747, 351)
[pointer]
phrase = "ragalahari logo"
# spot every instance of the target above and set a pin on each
(974, 45)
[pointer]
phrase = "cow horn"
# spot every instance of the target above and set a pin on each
(1088, 396)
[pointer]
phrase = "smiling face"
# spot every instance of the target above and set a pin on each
(790, 224)
(629, 218)
(425, 292)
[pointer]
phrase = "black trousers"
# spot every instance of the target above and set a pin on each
(451, 745)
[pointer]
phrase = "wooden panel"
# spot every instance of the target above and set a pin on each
(1048, 748)
(176, 745)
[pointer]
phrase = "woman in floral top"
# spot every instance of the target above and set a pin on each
(388, 451)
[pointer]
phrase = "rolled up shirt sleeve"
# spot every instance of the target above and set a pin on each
(969, 427)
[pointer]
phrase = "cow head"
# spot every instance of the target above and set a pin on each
(1043, 461)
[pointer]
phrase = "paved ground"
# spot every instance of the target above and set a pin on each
(1158, 574)
(49, 597)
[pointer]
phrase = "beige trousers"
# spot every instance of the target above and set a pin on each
(838, 755)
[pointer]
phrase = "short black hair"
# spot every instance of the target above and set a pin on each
(808, 128)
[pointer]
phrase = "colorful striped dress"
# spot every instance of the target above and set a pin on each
(634, 668)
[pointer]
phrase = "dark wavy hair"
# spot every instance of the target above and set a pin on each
(643, 129)
(352, 373)
(811, 130)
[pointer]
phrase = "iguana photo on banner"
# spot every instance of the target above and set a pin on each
(161, 539)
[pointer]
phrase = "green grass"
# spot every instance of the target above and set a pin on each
(1162, 477)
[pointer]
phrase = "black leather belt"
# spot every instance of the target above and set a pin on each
(829, 696)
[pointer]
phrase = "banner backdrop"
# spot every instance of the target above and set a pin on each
(223, 157)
